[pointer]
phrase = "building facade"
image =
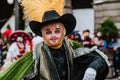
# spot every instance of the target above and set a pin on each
(106, 9)
(103, 9)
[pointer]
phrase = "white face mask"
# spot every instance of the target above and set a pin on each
(53, 34)
(20, 39)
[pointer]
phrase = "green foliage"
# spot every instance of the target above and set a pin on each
(75, 44)
(107, 28)
(22, 66)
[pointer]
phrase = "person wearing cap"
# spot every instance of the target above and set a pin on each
(55, 57)
(77, 36)
(87, 40)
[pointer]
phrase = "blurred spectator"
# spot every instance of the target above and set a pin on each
(7, 33)
(87, 40)
(1, 62)
(17, 49)
(98, 40)
(4, 44)
(5, 47)
(71, 36)
(114, 44)
(3, 52)
(75, 36)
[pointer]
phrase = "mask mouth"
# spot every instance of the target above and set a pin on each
(19, 39)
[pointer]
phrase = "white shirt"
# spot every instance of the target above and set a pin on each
(13, 52)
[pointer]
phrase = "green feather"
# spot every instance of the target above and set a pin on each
(18, 69)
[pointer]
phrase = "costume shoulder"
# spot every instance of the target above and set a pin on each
(37, 49)
(35, 46)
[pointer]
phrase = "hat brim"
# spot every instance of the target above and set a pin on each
(68, 20)
(19, 33)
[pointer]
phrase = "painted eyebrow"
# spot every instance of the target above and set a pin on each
(57, 28)
(47, 29)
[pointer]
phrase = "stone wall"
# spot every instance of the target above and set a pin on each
(107, 9)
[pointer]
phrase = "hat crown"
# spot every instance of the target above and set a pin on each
(68, 20)
(50, 15)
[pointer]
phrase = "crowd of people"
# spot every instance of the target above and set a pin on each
(86, 40)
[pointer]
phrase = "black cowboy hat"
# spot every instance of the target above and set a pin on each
(68, 20)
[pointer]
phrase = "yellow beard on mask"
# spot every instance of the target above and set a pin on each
(56, 45)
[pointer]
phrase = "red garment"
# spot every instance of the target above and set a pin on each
(7, 33)
(21, 51)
